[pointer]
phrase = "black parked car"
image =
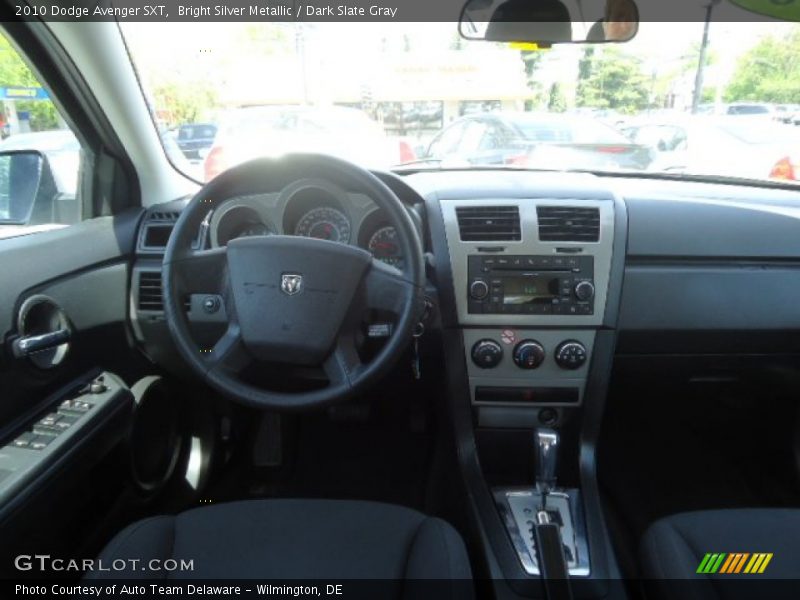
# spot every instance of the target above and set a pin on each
(536, 140)
(196, 137)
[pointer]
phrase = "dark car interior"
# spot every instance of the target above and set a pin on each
(508, 383)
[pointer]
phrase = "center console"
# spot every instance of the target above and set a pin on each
(531, 280)
(535, 262)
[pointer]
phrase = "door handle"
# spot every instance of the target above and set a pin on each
(25, 346)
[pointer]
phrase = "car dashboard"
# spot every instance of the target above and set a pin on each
(539, 285)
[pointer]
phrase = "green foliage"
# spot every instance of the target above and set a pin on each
(768, 72)
(185, 101)
(557, 101)
(14, 72)
(609, 78)
(532, 59)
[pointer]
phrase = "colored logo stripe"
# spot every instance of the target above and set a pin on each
(758, 563)
(734, 563)
(710, 563)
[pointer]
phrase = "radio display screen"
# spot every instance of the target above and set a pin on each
(529, 290)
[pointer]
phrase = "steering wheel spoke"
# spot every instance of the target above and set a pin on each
(343, 364)
(228, 353)
(203, 271)
(386, 288)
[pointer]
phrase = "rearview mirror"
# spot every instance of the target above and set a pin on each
(547, 22)
(24, 177)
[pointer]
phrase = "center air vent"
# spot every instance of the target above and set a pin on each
(568, 224)
(489, 223)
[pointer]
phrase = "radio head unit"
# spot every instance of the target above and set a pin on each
(533, 285)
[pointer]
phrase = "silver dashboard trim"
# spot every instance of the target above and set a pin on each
(529, 245)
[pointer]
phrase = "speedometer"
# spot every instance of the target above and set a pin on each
(383, 245)
(324, 223)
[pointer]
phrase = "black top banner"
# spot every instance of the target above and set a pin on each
(370, 10)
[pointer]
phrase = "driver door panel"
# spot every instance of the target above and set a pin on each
(84, 272)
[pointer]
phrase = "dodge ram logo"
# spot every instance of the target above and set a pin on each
(291, 283)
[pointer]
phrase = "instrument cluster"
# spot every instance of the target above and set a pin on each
(310, 209)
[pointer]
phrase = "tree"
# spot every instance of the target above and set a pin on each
(557, 101)
(612, 79)
(532, 59)
(768, 72)
(15, 73)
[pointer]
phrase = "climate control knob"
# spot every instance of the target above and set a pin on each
(479, 289)
(528, 354)
(584, 290)
(487, 354)
(570, 355)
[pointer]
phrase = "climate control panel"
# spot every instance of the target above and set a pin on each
(534, 367)
(528, 354)
(487, 354)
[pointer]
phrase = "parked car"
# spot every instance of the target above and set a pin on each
(721, 145)
(540, 140)
(348, 133)
(785, 112)
(751, 109)
(194, 139)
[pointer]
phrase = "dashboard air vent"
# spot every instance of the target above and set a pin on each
(164, 216)
(489, 223)
(150, 293)
(568, 224)
(150, 297)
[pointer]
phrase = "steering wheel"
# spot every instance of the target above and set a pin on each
(290, 300)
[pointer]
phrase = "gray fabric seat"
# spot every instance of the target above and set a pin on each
(297, 539)
(673, 549)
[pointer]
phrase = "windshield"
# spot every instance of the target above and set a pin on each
(388, 94)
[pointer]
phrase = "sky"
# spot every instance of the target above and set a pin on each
(346, 50)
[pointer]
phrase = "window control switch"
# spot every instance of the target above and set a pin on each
(65, 423)
(24, 440)
(73, 408)
(50, 419)
(41, 429)
(41, 442)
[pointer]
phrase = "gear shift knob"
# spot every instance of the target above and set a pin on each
(547, 459)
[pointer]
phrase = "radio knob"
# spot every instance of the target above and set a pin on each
(570, 355)
(528, 354)
(479, 289)
(487, 354)
(584, 290)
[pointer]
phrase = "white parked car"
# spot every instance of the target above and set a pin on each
(727, 146)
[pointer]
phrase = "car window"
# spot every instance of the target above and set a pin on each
(494, 138)
(748, 109)
(40, 157)
(448, 141)
(664, 138)
(473, 137)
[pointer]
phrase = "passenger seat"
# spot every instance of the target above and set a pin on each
(673, 554)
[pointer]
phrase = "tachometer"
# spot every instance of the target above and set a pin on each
(383, 245)
(324, 223)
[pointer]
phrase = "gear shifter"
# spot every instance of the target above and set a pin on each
(546, 522)
(547, 460)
